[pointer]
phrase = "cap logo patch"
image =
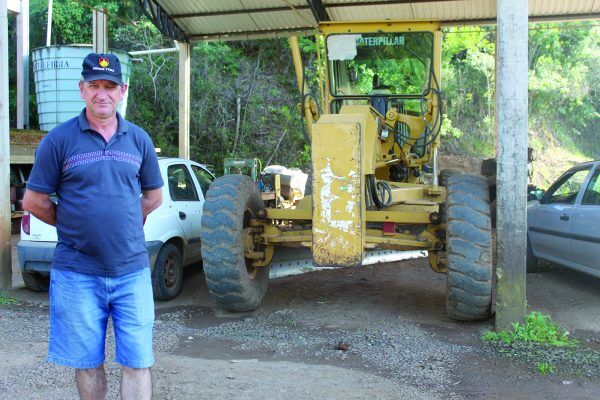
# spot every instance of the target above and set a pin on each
(103, 62)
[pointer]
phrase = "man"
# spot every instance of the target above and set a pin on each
(98, 164)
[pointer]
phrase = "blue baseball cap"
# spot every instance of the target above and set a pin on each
(102, 67)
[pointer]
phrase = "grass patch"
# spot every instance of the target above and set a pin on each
(542, 344)
(4, 300)
(538, 328)
(546, 368)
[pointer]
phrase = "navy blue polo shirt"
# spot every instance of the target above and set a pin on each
(98, 184)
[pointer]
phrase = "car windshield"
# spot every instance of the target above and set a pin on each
(379, 63)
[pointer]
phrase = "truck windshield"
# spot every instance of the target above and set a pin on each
(379, 63)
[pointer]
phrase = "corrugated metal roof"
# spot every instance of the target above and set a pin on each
(236, 19)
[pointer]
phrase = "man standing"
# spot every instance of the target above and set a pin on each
(98, 164)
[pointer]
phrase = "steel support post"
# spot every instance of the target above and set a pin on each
(5, 248)
(184, 100)
(49, 25)
(511, 114)
(100, 36)
(23, 66)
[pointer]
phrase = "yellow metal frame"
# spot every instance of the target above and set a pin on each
(338, 199)
(415, 124)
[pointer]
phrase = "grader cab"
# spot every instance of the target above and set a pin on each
(375, 181)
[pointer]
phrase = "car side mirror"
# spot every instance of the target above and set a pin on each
(535, 195)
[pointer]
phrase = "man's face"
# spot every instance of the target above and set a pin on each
(101, 97)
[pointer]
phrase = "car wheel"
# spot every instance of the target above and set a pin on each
(468, 248)
(231, 202)
(531, 262)
(36, 281)
(167, 274)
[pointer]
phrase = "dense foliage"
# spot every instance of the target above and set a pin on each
(245, 96)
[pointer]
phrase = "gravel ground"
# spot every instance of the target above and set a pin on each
(24, 374)
(581, 362)
(25, 331)
(377, 332)
(396, 347)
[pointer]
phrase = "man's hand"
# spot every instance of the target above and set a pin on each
(40, 205)
(151, 200)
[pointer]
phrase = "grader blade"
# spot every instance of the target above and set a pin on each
(338, 189)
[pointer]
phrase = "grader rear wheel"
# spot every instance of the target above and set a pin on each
(233, 282)
(468, 248)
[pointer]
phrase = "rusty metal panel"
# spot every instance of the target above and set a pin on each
(338, 191)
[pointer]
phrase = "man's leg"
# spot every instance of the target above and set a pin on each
(136, 383)
(91, 383)
(78, 317)
(133, 317)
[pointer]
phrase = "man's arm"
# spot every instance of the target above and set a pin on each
(151, 200)
(40, 205)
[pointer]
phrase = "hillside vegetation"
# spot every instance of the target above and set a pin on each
(244, 94)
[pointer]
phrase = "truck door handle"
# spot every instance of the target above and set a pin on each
(564, 217)
(182, 215)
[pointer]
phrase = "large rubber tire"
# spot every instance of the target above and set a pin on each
(531, 262)
(308, 189)
(468, 248)
(167, 274)
(443, 178)
(232, 282)
(445, 175)
(489, 167)
(36, 281)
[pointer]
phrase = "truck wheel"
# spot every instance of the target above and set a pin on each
(167, 274)
(531, 262)
(231, 202)
(443, 177)
(36, 281)
(468, 248)
(445, 174)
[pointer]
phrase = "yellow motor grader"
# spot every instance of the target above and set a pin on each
(375, 181)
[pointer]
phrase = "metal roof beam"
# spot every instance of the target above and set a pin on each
(318, 10)
(161, 19)
(303, 30)
(316, 6)
(383, 3)
(238, 12)
(532, 19)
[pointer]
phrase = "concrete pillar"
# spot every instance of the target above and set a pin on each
(511, 115)
(5, 249)
(23, 66)
(184, 100)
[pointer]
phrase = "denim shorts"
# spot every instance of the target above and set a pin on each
(80, 305)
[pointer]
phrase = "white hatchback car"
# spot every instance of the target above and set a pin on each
(172, 231)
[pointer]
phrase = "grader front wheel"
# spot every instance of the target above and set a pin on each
(231, 202)
(468, 248)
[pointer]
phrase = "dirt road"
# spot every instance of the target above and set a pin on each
(376, 332)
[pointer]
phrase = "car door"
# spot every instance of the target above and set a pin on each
(585, 224)
(187, 202)
(203, 177)
(549, 222)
